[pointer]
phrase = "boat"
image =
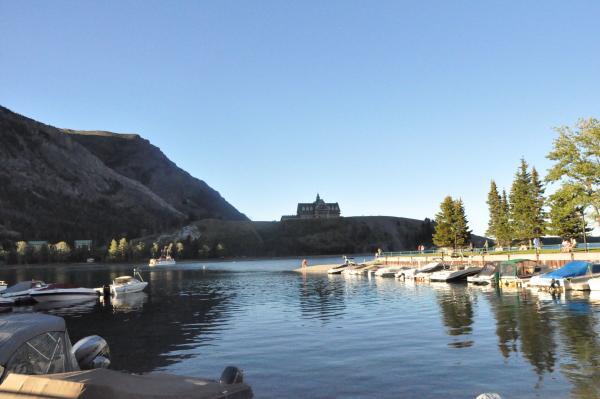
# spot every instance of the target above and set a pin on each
(162, 261)
(594, 284)
(572, 276)
(454, 273)
(338, 269)
(354, 270)
(389, 271)
(63, 292)
(487, 275)
(38, 360)
(3, 285)
(424, 273)
(128, 284)
(516, 273)
(6, 302)
(19, 292)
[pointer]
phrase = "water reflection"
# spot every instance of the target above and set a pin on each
(457, 312)
(322, 299)
(125, 303)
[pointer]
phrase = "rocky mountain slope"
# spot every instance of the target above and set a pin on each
(133, 156)
(58, 185)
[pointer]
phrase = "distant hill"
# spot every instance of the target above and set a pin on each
(63, 184)
(307, 236)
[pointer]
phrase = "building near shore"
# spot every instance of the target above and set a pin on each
(318, 209)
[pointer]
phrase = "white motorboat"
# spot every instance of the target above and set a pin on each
(454, 273)
(572, 276)
(162, 261)
(3, 285)
(128, 284)
(594, 284)
(337, 269)
(420, 274)
(63, 292)
(487, 275)
(389, 271)
(19, 293)
(355, 270)
(6, 302)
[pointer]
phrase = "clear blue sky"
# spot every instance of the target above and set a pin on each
(384, 107)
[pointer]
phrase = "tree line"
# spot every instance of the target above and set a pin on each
(122, 250)
(525, 212)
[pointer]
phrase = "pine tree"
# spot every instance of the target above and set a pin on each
(538, 216)
(521, 204)
(504, 233)
(460, 225)
(494, 210)
(444, 219)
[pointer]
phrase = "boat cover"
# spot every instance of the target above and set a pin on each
(103, 384)
(571, 269)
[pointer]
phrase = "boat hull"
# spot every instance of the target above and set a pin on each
(128, 288)
(64, 295)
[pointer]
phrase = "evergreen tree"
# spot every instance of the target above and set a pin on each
(521, 204)
(444, 219)
(503, 231)
(494, 210)
(538, 216)
(460, 226)
(113, 250)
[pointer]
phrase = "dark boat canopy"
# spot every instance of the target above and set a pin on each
(18, 328)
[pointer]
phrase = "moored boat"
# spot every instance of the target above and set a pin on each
(162, 261)
(389, 271)
(454, 273)
(572, 276)
(487, 275)
(516, 273)
(420, 274)
(19, 292)
(337, 269)
(63, 292)
(128, 284)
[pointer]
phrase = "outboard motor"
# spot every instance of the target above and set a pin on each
(231, 375)
(92, 352)
(106, 291)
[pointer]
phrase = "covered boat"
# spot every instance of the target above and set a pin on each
(420, 273)
(487, 275)
(516, 272)
(63, 292)
(572, 276)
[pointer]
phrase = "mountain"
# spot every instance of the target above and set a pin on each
(134, 157)
(63, 184)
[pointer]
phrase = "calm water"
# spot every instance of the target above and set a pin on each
(327, 337)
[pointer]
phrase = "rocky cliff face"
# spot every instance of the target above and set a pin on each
(66, 185)
(134, 157)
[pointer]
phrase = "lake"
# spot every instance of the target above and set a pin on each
(320, 336)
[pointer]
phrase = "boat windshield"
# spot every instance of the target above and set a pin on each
(488, 270)
(123, 280)
(518, 268)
